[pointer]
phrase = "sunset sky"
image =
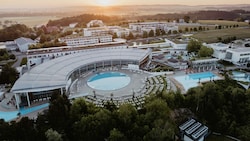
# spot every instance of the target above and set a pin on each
(63, 3)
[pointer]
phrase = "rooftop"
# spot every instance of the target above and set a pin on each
(22, 41)
(193, 129)
(53, 74)
(240, 50)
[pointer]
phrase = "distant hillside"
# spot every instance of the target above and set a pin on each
(201, 15)
(239, 15)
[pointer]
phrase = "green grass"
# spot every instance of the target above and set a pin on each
(222, 22)
(211, 36)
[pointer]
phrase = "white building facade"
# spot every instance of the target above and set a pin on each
(81, 40)
(239, 56)
(158, 25)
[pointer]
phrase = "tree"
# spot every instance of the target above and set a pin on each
(186, 18)
(151, 33)
(145, 34)
(205, 51)
(116, 135)
(130, 36)
(193, 46)
(115, 35)
(163, 32)
(175, 32)
(53, 135)
(8, 75)
(157, 32)
(58, 114)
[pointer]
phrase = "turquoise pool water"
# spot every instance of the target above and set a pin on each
(240, 76)
(201, 75)
(8, 116)
(108, 81)
(192, 80)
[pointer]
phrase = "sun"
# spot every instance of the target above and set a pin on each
(104, 2)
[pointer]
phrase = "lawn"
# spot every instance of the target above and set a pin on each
(211, 36)
(30, 21)
(222, 22)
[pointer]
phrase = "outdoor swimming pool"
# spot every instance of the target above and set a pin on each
(192, 80)
(108, 81)
(8, 116)
(240, 76)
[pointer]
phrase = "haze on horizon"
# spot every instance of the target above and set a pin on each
(10, 4)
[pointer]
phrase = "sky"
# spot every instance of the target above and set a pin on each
(63, 3)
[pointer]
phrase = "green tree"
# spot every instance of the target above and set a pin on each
(145, 34)
(116, 135)
(175, 32)
(151, 33)
(205, 51)
(157, 32)
(193, 45)
(130, 36)
(115, 35)
(53, 135)
(163, 32)
(186, 18)
(58, 114)
(8, 75)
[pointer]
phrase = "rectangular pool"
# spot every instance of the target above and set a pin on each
(192, 80)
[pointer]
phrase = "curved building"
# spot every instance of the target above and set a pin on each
(58, 74)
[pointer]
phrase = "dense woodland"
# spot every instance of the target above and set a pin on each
(224, 106)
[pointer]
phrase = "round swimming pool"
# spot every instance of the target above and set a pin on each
(108, 81)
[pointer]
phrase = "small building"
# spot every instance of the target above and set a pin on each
(204, 64)
(95, 31)
(192, 130)
(88, 40)
(219, 50)
(23, 43)
(73, 25)
(238, 56)
(178, 64)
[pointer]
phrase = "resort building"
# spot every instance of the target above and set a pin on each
(158, 25)
(39, 56)
(177, 64)
(23, 43)
(179, 45)
(119, 31)
(238, 56)
(95, 31)
(89, 40)
(235, 54)
(192, 130)
(58, 74)
(204, 65)
(219, 50)
(95, 23)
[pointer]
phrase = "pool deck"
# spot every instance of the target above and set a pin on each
(136, 82)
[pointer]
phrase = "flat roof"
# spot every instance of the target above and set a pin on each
(53, 74)
(242, 49)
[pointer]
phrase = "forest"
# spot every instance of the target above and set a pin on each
(224, 106)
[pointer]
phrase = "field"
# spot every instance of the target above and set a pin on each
(222, 22)
(211, 36)
(30, 21)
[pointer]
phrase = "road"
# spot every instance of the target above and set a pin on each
(19, 57)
